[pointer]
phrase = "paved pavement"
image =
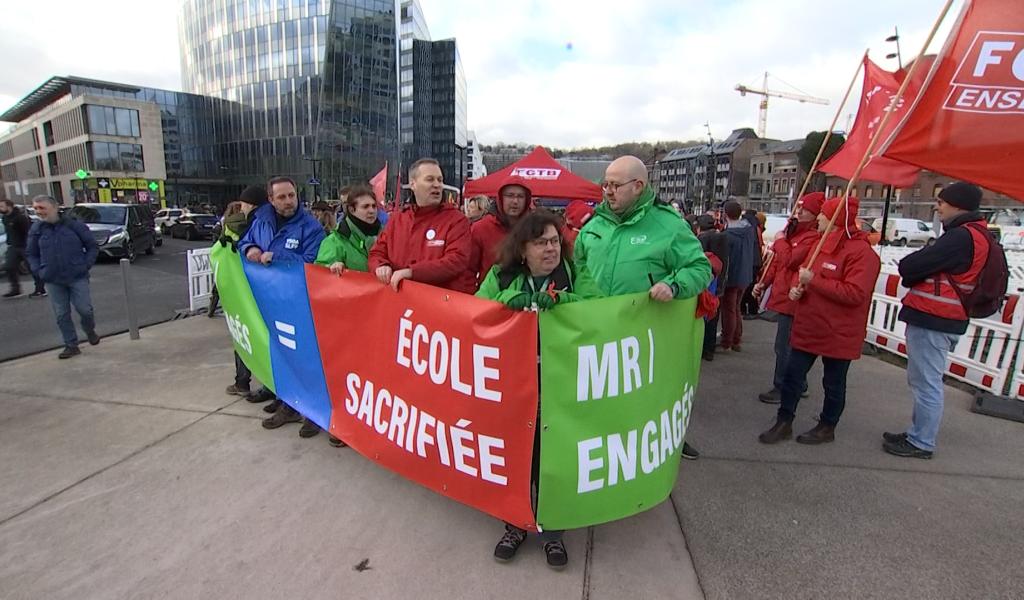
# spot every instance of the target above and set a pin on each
(127, 473)
(160, 286)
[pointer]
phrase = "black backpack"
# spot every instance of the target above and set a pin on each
(990, 290)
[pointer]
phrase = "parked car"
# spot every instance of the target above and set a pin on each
(874, 235)
(121, 230)
(195, 227)
(165, 218)
(906, 232)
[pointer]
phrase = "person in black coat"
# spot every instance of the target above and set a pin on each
(717, 243)
(16, 225)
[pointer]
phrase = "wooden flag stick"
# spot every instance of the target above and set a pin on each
(817, 159)
(878, 132)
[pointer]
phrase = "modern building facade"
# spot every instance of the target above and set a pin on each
(412, 26)
(475, 168)
(439, 125)
(704, 176)
(310, 88)
(775, 176)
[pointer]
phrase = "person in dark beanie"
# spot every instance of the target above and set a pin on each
(717, 243)
(933, 312)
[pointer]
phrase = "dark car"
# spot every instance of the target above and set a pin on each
(195, 227)
(120, 230)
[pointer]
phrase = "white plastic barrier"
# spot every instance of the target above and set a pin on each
(987, 355)
(200, 279)
(892, 255)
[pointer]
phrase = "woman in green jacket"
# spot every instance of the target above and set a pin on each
(349, 244)
(534, 272)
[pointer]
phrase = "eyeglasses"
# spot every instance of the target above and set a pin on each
(514, 196)
(545, 242)
(614, 187)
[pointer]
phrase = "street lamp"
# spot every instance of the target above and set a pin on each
(895, 37)
(314, 181)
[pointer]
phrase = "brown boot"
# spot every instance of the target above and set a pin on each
(821, 434)
(782, 430)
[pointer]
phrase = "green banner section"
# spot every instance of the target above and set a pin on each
(245, 323)
(615, 402)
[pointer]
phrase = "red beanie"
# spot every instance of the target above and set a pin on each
(850, 222)
(812, 202)
(578, 213)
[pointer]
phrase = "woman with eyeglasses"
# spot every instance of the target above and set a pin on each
(534, 272)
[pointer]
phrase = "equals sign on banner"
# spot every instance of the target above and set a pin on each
(285, 329)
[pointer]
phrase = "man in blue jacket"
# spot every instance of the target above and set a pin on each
(743, 254)
(282, 231)
(61, 250)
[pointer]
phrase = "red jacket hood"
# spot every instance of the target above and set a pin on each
(499, 207)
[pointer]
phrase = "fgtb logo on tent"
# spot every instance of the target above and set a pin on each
(990, 79)
(536, 173)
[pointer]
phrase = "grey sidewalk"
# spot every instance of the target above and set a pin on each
(127, 473)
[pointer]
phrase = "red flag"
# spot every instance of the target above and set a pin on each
(969, 121)
(379, 183)
(878, 90)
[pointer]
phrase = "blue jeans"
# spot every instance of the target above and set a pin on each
(926, 362)
(834, 382)
(62, 297)
(783, 350)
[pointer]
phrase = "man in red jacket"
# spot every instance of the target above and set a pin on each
(832, 299)
(790, 252)
(427, 241)
(514, 201)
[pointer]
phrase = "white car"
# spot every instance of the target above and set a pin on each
(167, 217)
(906, 232)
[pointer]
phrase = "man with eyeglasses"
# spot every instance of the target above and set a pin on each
(934, 313)
(514, 201)
(635, 244)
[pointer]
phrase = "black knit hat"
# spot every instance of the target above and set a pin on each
(255, 195)
(962, 195)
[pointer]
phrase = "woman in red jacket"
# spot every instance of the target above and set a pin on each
(791, 252)
(832, 299)
(427, 241)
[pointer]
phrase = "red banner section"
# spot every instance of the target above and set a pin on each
(969, 121)
(435, 385)
(880, 86)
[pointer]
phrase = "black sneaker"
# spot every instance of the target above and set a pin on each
(39, 294)
(273, 406)
(68, 352)
(904, 449)
(337, 443)
(308, 429)
(556, 555)
(772, 396)
(93, 338)
(12, 294)
(893, 438)
(283, 416)
(261, 396)
(509, 543)
(708, 356)
(689, 453)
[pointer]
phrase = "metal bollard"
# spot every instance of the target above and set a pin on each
(133, 321)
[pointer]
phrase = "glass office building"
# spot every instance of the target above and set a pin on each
(309, 86)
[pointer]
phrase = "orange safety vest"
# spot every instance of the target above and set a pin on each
(936, 295)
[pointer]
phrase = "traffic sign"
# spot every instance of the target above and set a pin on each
(313, 181)
(82, 173)
(154, 186)
(103, 182)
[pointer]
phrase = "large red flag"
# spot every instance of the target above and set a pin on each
(969, 121)
(379, 183)
(879, 88)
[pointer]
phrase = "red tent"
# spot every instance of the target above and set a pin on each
(545, 176)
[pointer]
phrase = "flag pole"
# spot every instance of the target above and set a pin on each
(881, 127)
(817, 159)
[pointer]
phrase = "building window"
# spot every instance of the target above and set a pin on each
(111, 156)
(107, 120)
(869, 191)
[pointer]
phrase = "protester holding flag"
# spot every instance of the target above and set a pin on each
(514, 201)
(283, 230)
(832, 299)
(533, 270)
(790, 252)
(934, 313)
(634, 244)
(427, 241)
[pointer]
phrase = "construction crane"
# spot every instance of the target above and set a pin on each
(765, 93)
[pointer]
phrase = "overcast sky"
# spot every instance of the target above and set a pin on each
(562, 73)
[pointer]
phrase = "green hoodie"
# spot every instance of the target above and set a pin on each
(580, 286)
(346, 244)
(649, 242)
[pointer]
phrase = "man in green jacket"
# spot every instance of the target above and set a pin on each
(634, 244)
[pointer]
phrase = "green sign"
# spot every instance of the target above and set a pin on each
(154, 186)
(82, 173)
(615, 403)
(245, 323)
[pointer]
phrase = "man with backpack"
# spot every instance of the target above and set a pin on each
(962, 275)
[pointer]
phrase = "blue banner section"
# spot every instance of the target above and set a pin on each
(280, 292)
